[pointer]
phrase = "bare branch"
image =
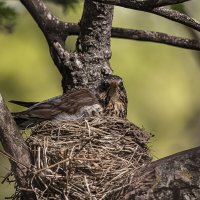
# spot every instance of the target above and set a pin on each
(148, 36)
(52, 27)
(157, 37)
(16, 148)
(155, 7)
(141, 5)
(177, 17)
(41, 15)
(55, 31)
(169, 2)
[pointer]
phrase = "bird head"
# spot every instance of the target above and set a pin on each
(113, 96)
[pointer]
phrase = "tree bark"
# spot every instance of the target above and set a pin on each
(175, 177)
(93, 44)
(16, 150)
(87, 66)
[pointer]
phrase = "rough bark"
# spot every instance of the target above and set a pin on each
(174, 177)
(16, 150)
(93, 44)
(90, 62)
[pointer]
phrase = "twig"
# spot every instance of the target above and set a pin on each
(141, 5)
(177, 16)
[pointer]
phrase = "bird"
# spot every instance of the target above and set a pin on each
(72, 105)
(109, 99)
(112, 96)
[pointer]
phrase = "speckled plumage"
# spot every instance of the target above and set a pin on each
(109, 99)
(112, 95)
(72, 105)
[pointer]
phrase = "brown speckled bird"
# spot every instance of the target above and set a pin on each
(110, 99)
(112, 95)
(73, 105)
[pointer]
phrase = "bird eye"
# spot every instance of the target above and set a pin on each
(120, 83)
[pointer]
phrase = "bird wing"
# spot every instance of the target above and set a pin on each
(69, 103)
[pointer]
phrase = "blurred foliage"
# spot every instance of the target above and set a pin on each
(179, 7)
(162, 82)
(7, 17)
(66, 4)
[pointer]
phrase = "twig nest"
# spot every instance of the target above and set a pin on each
(92, 159)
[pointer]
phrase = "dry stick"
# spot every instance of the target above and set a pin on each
(13, 159)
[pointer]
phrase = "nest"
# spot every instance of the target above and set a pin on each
(93, 159)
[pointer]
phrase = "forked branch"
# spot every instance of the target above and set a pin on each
(154, 7)
(147, 36)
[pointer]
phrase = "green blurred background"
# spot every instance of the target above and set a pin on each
(162, 82)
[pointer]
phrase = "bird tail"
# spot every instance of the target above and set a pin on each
(23, 103)
(23, 121)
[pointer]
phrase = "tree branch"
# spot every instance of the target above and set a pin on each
(148, 36)
(177, 17)
(17, 150)
(55, 31)
(157, 37)
(174, 177)
(97, 19)
(51, 26)
(154, 7)
(141, 5)
(169, 2)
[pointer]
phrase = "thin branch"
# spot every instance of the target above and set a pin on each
(46, 21)
(177, 17)
(15, 146)
(148, 36)
(157, 37)
(154, 7)
(141, 5)
(169, 2)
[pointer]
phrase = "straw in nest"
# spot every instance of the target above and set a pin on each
(92, 159)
